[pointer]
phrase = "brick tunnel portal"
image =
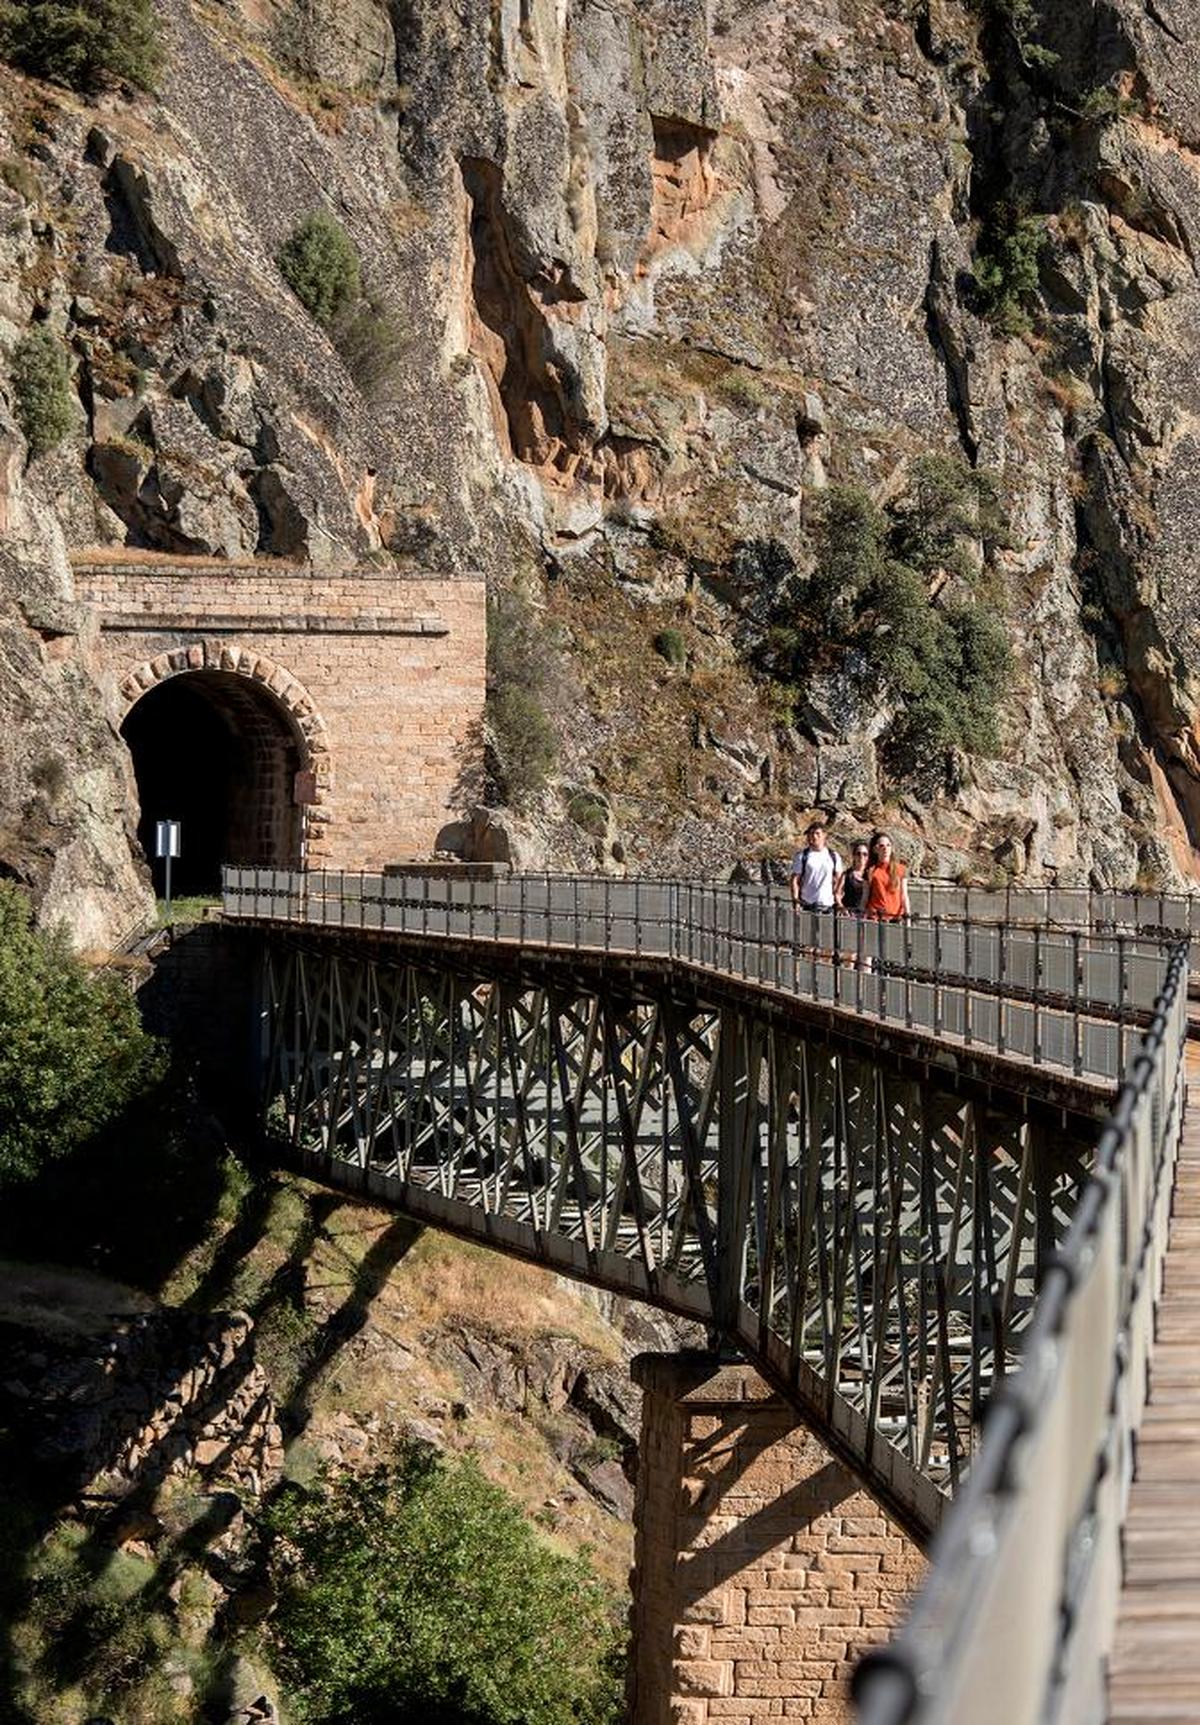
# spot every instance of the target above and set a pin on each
(218, 753)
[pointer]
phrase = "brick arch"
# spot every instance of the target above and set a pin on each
(239, 753)
(288, 691)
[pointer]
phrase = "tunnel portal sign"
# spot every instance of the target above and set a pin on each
(166, 838)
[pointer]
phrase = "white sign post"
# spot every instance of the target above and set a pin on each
(166, 846)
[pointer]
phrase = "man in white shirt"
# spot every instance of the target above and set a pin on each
(816, 872)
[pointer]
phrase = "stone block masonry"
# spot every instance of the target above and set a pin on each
(380, 674)
(763, 1568)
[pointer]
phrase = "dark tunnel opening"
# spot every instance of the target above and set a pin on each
(217, 753)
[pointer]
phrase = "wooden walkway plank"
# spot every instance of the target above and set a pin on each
(1154, 1678)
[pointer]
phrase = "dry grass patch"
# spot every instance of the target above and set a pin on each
(446, 1280)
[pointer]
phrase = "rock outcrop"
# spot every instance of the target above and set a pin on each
(161, 1394)
(642, 281)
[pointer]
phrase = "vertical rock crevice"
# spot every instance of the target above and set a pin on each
(684, 184)
(1069, 134)
(532, 389)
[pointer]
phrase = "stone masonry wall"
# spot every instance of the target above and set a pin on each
(381, 673)
(762, 1566)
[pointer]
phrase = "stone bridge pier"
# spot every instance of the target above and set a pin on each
(762, 1566)
(288, 715)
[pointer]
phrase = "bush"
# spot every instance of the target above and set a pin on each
(1023, 20)
(522, 657)
(371, 341)
(947, 507)
(19, 177)
(72, 1051)
(873, 607)
(590, 812)
(45, 402)
(851, 559)
(320, 264)
(420, 1593)
(761, 570)
(671, 646)
(84, 46)
(525, 743)
(90, 1622)
(1006, 269)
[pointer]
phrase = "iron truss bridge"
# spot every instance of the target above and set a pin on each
(856, 1152)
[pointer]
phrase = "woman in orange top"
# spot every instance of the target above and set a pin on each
(887, 883)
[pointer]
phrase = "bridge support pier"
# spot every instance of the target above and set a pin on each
(762, 1566)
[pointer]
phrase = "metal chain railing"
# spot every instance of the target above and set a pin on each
(1018, 1609)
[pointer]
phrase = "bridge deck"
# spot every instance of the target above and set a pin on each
(1156, 1660)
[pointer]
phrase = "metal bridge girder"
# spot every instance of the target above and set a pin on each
(867, 1237)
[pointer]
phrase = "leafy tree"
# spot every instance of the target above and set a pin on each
(420, 1593)
(72, 1051)
(319, 262)
(985, 662)
(852, 560)
(41, 376)
(84, 44)
(947, 507)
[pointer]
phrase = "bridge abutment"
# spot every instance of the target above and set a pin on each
(762, 1565)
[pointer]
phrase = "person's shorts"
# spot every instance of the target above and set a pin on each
(817, 909)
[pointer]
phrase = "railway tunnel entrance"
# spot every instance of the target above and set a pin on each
(221, 755)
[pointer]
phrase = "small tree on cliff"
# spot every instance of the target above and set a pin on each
(522, 659)
(900, 601)
(72, 1050)
(41, 375)
(320, 264)
(84, 44)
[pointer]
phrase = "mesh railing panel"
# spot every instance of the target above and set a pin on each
(1017, 1613)
(1061, 998)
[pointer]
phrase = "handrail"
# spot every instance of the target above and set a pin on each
(1017, 1612)
(1174, 914)
(1067, 1001)
(1087, 908)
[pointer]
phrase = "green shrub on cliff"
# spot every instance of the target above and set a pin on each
(370, 340)
(72, 1050)
(41, 376)
(1007, 266)
(671, 645)
(521, 657)
(421, 1593)
(320, 264)
(897, 599)
(84, 44)
(1024, 22)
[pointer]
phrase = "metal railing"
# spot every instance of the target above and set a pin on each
(1085, 908)
(1017, 1612)
(1066, 1000)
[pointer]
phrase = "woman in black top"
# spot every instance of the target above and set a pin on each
(854, 882)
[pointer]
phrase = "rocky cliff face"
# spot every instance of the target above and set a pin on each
(646, 279)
